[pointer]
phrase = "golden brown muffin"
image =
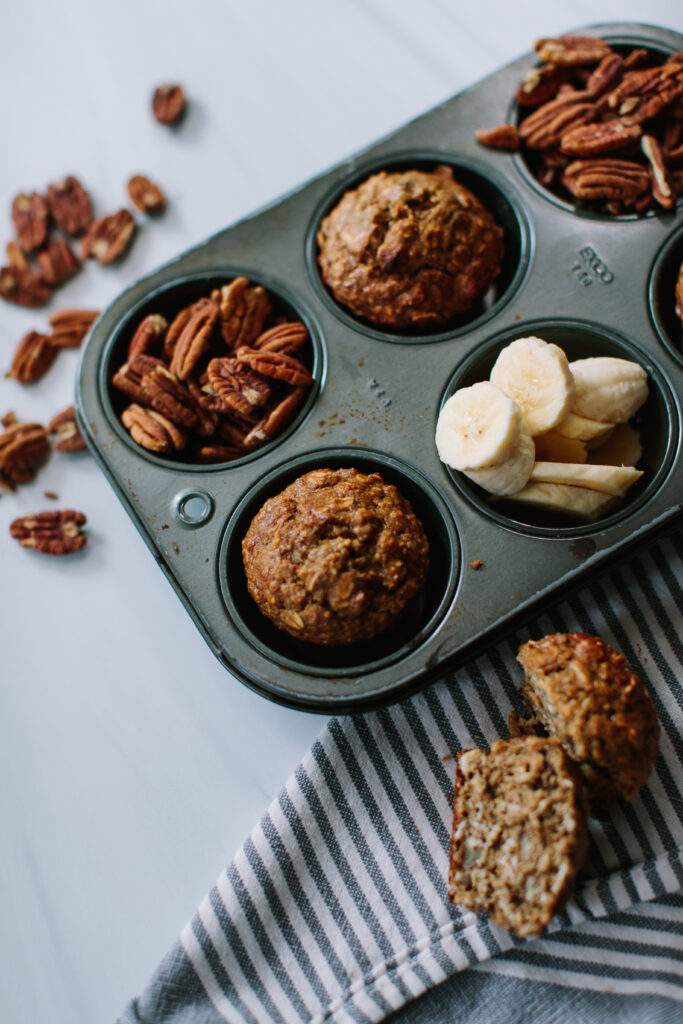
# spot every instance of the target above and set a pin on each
(335, 557)
(519, 832)
(409, 249)
(584, 692)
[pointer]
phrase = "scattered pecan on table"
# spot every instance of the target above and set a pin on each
(22, 447)
(147, 196)
(221, 379)
(108, 238)
(600, 125)
(168, 104)
(52, 533)
(65, 428)
(33, 357)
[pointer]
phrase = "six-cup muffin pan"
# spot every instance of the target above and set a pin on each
(595, 285)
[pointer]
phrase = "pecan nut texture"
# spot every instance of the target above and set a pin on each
(189, 371)
(70, 206)
(147, 196)
(65, 428)
(57, 262)
(52, 533)
(503, 136)
(16, 258)
(22, 287)
(153, 431)
(277, 365)
(70, 326)
(589, 101)
(30, 217)
(22, 447)
(33, 357)
(108, 238)
(193, 340)
(168, 104)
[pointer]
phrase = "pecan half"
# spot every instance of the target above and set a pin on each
(208, 419)
(179, 323)
(22, 287)
(504, 136)
(70, 206)
(64, 425)
(70, 326)
(169, 396)
(16, 257)
(149, 335)
(128, 378)
(277, 365)
(540, 84)
(194, 339)
(33, 357)
(274, 422)
(546, 126)
(602, 137)
(570, 51)
(662, 187)
(605, 76)
(57, 262)
(22, 445)
(218, 453)
(108, 238)
(636, 58)
(287, 338)
(53, 533)
(244, 311)
(153, 431)
(238, 387)
(606, 179)
(168, 104)
(147, 196)
(30, 217)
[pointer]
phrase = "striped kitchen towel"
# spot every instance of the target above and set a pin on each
(335, 909)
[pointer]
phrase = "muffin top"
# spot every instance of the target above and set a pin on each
(584, 692)
(335, 557)
(519, 832)
(409, 249)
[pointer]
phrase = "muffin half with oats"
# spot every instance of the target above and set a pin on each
(519, 832)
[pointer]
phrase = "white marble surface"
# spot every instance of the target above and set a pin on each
(131, 764)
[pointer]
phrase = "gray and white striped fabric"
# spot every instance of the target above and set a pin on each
(335, 909)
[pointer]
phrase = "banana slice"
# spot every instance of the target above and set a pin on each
(622, 448)
(512, 474)
(582, 428)
(482, 432)
(608, 389)
(581, 502)
(536, 374)
(553, 447)
(608, 479)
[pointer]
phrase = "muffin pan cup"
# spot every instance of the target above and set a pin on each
(375, 405)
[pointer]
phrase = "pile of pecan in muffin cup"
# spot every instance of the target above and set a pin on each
(219, 381)
(605, 127)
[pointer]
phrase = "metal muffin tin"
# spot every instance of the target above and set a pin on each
(594, 284)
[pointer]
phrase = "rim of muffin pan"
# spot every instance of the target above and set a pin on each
(661, 294)
(657, 421)
(422, 615)
(495, 193)
(169, 299)
(523, 160)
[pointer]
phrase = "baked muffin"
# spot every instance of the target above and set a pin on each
(519, 832)
(583, 691)
(335, 557)
(409, 249)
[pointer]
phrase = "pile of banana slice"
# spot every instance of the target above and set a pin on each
(546, 432)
